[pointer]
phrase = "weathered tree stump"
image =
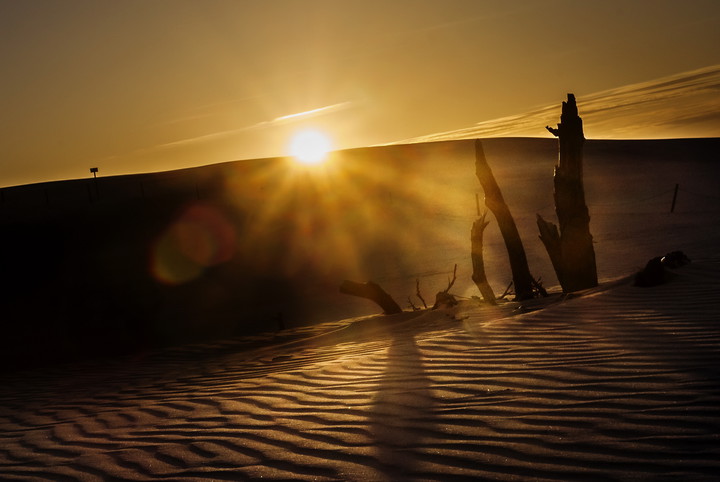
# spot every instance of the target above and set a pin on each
(476, 254)
(570, 247)
(494, 201)
(444, 298)
(371, 291)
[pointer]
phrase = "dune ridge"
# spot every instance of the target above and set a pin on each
(618, 383)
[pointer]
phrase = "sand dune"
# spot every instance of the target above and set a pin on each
(105, 268)
(620, 383)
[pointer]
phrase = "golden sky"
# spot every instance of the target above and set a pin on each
(143, 85)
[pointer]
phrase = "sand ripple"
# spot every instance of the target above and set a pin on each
(621, 383)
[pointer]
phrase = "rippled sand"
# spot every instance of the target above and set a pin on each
(619, 383)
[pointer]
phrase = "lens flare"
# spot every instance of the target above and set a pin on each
(201, 237)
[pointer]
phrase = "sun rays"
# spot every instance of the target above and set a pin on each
(362, 214)
(358, 215)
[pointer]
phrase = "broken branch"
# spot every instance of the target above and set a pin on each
(371, 291)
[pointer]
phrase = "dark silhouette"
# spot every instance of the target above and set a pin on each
(444, 298)
(676, 259)
(371, 291)
(652, 275)
(402, 410)
(522, 278)
(655, 273)
(478, 263)
(570, 247)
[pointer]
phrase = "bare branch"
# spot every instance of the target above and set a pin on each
(539, 288)
(417, 288)
(371, 291)
(451, 282)
(507, 291)
(444, 297)
(476, 254)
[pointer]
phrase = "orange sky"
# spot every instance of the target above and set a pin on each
(137, 85)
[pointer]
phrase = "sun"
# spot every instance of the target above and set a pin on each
(310, 147)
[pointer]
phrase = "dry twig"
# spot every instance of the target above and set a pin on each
(507, 291)
(417, 288)
(451, 282)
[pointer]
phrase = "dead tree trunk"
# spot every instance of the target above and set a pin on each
(570, 247)
(371, 291)
(522, 278)
(476, 253)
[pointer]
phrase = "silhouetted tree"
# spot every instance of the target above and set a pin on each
(476, 254)
(494, 201)
(570, 247)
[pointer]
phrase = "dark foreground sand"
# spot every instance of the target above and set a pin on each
(620, 383)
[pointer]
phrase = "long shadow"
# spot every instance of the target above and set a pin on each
(401, 414)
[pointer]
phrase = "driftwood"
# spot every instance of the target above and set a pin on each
(476, 253)
(655, 273)
(494, 201)
(570, 246)
(652, 275)
(444, 297)
(371, 291)
(539, 288)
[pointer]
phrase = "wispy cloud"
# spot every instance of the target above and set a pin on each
(285, 119)
(682, 105)
(198, 139)
(313, 112)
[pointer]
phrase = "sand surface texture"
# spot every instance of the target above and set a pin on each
(619, 383)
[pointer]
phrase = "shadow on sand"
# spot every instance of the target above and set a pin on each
(400, 416)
